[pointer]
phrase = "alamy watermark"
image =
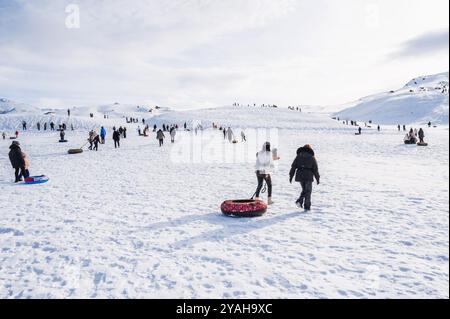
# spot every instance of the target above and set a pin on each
(73, 16)
(232, 146)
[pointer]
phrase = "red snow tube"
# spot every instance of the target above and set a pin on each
(244, 208)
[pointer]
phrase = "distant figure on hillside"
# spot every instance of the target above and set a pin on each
(116, 138)
(38, 126)
(359, 130)
(399, 128)
(160, 137)
(224, 133)
(379, 128)
(45, 126)
(68, 112)
(421, 136)
(52, 126)
(62, 135)
(243, 137)
(404, 128)
(305, 170)
(96, 141)
(24, 125)
(429, 124)
(124, 132)
(4, 135)
(91, 140)
(230, 135)
(102, 135)
(173, 133)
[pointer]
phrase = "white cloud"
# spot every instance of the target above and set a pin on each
(211, 52)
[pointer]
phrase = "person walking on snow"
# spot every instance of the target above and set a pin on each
(243, 137)
(173, 133)
(160, 137)
(102, 135)
(224, 134)
(264, 166)
(305, 169)
(62, 135)
(24, 125)
(116, 138)
(4, 135)
(421, 136)
(230, 135)
(17, 161)
(91, 140)
(96, 141)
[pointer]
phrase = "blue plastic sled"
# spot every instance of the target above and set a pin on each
(36, 180)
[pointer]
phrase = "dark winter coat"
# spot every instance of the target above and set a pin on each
(160, 135)
(421, 134)
(15, 156)
(116, 136)
(305, 166)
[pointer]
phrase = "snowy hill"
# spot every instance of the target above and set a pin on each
(247, 117)
(12, 114)
(10, 107)
(421, 100)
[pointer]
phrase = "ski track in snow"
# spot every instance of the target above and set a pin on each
(130, 223)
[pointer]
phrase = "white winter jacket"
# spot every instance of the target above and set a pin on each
(264, 162)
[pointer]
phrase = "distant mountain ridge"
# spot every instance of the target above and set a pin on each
(421, 100)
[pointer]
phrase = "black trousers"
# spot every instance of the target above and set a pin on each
(261, 178)
(19, 173)
(161, 143)
(116, 143)
(305, 196)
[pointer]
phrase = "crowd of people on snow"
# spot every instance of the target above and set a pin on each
(254, 105)
(295, 108)
(304, 168)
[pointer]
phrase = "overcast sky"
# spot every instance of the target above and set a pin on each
(199, 53)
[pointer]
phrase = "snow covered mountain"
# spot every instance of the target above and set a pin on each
(421, 100)
(11, 107)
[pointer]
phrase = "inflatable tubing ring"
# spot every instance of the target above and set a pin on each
(76, 151)
(410, 143)
(422, 144)
(244, 208)
(63, 141)
(36, 180)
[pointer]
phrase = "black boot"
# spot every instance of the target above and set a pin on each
(299, 202)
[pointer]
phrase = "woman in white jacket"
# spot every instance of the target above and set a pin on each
(264, 167)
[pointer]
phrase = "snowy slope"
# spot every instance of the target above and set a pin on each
(11, 107)
(421, 100)
(138, 223)
(15, 113)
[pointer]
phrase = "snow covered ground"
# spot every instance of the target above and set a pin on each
(145, 222)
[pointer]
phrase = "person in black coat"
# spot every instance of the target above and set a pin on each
(421, 136)
(116, 138)
(305, 169)
(17, 160)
